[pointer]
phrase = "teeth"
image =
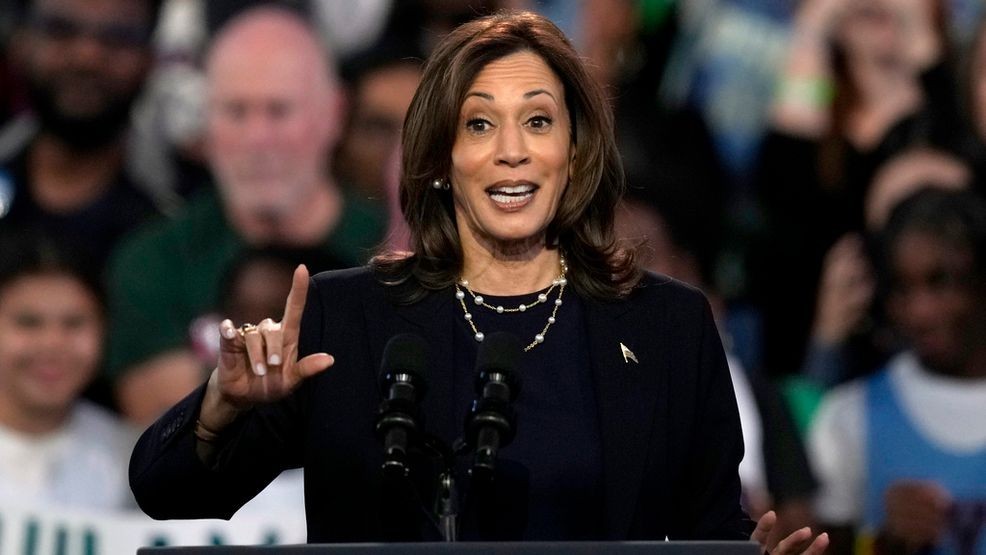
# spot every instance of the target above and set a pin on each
(507, 199)
(517, 190)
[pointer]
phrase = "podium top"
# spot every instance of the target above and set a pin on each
(484, 548)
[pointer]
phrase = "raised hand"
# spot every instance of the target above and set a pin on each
(917, 513)
(799, 541)
(845, 291)
(820, 17)
(259, 363)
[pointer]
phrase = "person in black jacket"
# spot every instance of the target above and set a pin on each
(863, 82)
(627, 425)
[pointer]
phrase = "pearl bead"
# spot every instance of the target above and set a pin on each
(499, 310)
(479, 336)
(465, 283)
(468, 316)
(551, 319)
(539, 338)
(542, 297)
(478, 299)
(563, 282)
(460, 295)
(522, 307)
(557, 302)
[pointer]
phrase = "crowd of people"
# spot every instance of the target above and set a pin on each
(165, 165)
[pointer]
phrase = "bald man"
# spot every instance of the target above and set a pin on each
(273, 117)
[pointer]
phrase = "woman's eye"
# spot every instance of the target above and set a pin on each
(539, 122)
(477, 125)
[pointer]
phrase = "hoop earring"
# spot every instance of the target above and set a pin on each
(440, 183)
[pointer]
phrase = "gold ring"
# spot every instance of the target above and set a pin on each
(246, 328)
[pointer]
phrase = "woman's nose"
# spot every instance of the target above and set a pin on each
(511, 147)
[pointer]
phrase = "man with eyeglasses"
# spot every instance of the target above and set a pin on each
(63, 166)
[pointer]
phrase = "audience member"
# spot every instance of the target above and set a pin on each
(864, 80)
(55, 448)
(901, 454)
(381, 83)
(848, 334)
(273, 116)
(423, 23)
(667, 150)
(64, 167)
(170, 118)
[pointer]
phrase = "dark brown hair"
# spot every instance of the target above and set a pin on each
(583, 225)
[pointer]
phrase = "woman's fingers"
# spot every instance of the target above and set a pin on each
(295, 304)
(313, 364)
(764, 526)
(274, 342)
(229, 338)
(794, 543)
(255, 348)
(800, 541)
(268, 349)
(818, 546)
(231, 347)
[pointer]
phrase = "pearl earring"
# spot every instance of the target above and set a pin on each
(439, 183)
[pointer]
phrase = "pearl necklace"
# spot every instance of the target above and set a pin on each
(560, 282)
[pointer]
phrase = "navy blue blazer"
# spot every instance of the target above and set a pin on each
(669, 426)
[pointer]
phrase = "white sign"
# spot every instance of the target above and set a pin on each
(47, 531)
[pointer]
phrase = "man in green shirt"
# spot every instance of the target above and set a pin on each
(272, 120)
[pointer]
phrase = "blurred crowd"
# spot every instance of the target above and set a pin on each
(817, 168)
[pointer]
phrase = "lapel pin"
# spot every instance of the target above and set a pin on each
(628, 354)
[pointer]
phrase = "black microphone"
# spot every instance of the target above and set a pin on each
(491, 422)
(402, 386)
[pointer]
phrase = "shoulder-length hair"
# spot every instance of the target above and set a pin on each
(583, 225)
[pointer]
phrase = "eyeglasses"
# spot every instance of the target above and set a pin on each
(121, 36)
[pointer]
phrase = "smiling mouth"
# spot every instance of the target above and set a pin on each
(512, 193)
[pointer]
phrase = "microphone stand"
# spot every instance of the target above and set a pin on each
(446, 506)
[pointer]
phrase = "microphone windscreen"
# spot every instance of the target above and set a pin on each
(404, 353)
(499, 352)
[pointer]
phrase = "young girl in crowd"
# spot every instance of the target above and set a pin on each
(55, 447)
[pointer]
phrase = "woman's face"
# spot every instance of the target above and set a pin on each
(512, 153)
(871, 30)
(51, 335)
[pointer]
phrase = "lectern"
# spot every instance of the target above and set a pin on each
(477, 548)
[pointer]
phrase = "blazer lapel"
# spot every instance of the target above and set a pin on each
(627, 391)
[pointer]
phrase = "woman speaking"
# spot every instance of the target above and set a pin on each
(621, 420)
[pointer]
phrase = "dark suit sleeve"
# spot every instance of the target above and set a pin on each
(712, 486)
(168, 478)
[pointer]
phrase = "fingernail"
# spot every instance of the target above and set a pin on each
(274, 360)
(260, 369)
(229, 333)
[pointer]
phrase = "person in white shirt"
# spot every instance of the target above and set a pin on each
(56, 449)
(901, 455)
